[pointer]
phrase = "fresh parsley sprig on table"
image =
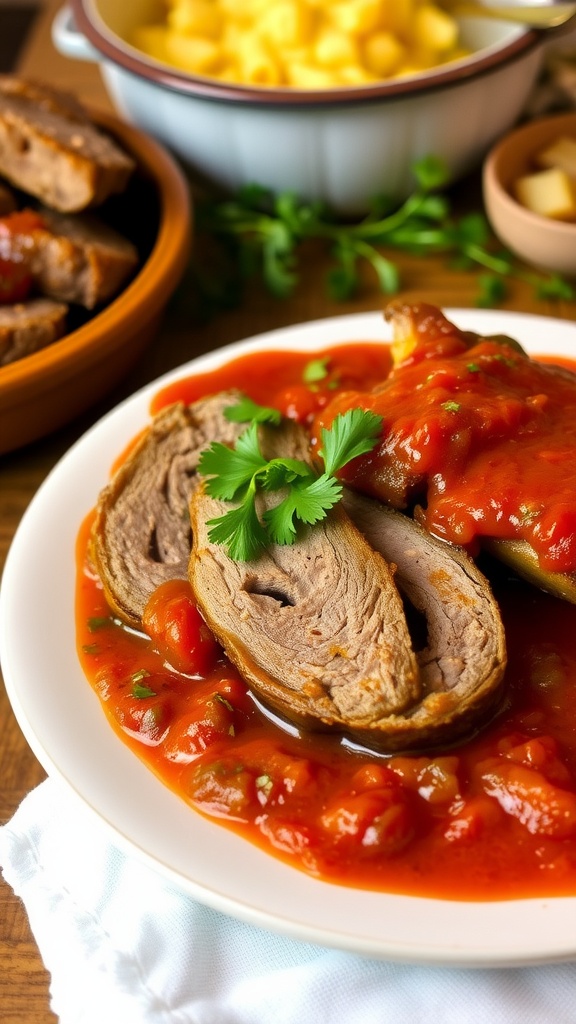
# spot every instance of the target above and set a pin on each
(267, 231)
(239, 473)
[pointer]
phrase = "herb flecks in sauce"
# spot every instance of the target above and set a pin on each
(493, 817)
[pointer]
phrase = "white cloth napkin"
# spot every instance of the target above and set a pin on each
(124, 946)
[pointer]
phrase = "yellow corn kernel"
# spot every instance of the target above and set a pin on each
(434, 30)
(335, 49)
(196, 18)
(356, 16)
(383, 54)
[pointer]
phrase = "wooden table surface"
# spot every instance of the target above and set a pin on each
(24, 983)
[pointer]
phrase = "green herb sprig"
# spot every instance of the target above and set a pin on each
(267, 231)
(238, 474)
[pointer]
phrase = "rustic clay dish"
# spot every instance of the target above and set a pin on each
(43, 391)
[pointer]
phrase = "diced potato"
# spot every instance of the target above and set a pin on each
(434, 29)
(383, 53)
(192, 53)
(397, 16)
(286, 24)
(256, 62)
(151, 39)
(309, 44)
(356, 16)
(355, 74)
(195, 17)
(335, 49)
(306, 76)
(562, 153)
(550, 193)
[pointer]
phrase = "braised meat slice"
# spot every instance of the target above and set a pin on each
(141, 534)
(26, 327)
(51, 149)
(463, 656)
(7, 200)
(79, 258)
(323, 630)
(71, 258)
(317, 628)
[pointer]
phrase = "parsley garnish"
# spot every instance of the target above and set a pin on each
(245, 410)
(222, 700)
(315, 370)
(239, 473)
(96, 622)
(138, 690)
(142, 691)
(266, 232)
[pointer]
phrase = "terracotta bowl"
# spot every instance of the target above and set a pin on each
(541, 241)
(43, 391)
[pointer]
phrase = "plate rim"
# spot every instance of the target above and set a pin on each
(556, 942)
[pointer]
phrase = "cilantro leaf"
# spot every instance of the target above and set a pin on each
(247, 411)
(353, 433)
(280, 473)
(430, 173)
(308, 501)
(306, 496)
(315, 370)
(142, 691)
(240, 531)
(231, 469)
(267, 230)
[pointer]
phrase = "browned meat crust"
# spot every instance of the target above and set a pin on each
(26, 327)
(463, 658)
(141, 535)
(79, 259)
(50, 149)
(316, 628)
(319, 629)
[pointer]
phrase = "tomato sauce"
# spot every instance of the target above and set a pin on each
(480, 437)
(16, 245)
(493, 817)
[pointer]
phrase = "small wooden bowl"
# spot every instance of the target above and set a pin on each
(540, 241)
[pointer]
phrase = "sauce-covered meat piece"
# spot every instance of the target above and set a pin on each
(476, 434)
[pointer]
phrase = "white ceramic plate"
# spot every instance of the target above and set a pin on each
(65, 727)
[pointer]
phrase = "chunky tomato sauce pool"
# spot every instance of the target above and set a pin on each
(493, 817)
